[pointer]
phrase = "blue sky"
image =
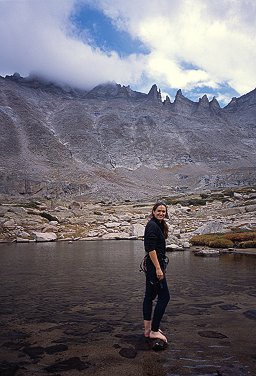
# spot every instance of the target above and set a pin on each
(198, 46)
(103, 34)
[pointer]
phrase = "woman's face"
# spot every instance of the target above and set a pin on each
(160, 212)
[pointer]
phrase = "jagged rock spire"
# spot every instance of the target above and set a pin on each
(167, 101)
(155, 94)
(214, 104)
(204, 101)
(232, 104)
(203, 105)
(179, 94)
(182, 104)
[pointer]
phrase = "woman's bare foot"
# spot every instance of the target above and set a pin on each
(146, 333)
(157, 335)
(147, 328)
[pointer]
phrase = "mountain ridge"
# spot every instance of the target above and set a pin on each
(114, 142)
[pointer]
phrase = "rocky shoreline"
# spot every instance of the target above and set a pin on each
(73, 220)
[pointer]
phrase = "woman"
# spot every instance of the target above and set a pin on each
(156, 232)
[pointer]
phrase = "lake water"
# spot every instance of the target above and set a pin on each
(76, 308)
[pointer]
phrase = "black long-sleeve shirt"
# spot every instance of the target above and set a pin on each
(154, 239)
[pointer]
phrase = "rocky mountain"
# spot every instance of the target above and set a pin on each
(115, 143)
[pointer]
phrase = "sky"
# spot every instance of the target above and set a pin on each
(198, 46)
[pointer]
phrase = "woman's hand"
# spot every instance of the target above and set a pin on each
(159, 274)
(154, 259)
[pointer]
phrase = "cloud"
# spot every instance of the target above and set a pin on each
(39, 37)
(191, 44)
(217, 37)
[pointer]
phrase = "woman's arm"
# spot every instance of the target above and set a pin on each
(154, 259)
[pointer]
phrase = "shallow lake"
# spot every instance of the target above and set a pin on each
(75, 308)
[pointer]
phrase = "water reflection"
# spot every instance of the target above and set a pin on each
(91, 292)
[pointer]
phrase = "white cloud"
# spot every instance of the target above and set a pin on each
(218, 37)
(192, 43)
(38, 37)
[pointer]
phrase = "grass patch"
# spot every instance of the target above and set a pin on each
(185, 201)
(204, 240)
(241, 236)
(248, 244)
(221, 243)
(228, 240)
(197, 200)
(204, 197)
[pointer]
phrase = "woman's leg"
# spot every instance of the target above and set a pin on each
(163, 299)
(150, 295)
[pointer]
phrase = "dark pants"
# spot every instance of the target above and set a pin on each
(154, 289)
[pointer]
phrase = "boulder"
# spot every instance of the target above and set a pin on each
(176, 232)
(137, 230)
(93, 234)
(172, 239)
(10, 224)
(125, 223)
(97, 212)
(125, 217)
(252, 195)
(173, 247)
(75, 205)
(112, 224)
(49, 228)
(60, 208)
(18, 210)
(239, 196)
(23, 234)
(49, 216)
(44, 236)
(136, 216)
(232, 211)
(113, 218)
(23, 240)
(116, 235)
(53, 223)
(250, 208)
(211, 228)
(3, 210)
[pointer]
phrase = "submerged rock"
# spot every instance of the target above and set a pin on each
(251, 314)
(207, 252)
(129, 353)
(69, 364)
(212, 334)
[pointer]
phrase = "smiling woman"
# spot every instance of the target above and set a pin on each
(100, 31)
(156, 232)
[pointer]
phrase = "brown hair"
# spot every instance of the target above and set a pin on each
(165, 226)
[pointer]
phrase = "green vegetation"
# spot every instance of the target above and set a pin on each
(239, 239)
